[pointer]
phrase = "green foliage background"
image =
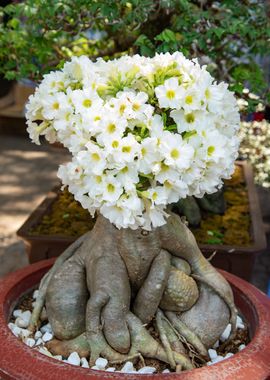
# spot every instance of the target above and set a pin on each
(37, 36)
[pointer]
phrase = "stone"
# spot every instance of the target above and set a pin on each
(44, 351)
(21, 322)
(110, 369)
(74, 359)
(241, 347)
(30, 342)
(166, 371)
(46, 328)
(39, 342)
(147, 370)
(47, 336)
(58, 357)
(17, 313)
(128, 368)
(218, 359)
(84, 363)
(101, 363)
(212, 353)
(226, 333)
(26, 315)
(38, 334)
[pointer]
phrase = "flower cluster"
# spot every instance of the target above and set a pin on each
(143, 133)
(255, 147)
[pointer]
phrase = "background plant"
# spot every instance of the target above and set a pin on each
(37, 35)
(255, 147)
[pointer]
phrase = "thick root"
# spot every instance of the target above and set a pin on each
(40, 301)
(150, 294)
(160, 276)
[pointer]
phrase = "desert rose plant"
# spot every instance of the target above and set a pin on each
(143, 133)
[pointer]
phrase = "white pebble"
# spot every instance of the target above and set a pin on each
(74, 359)
(229, 355)
(212, 353)
(241, 347)
(21, 322)
(216, 345)
(58, 357)
(39, 342)
(128, 368)
(147, 370)
(44, 351)
(19, 332)
(110, 369)
(101, 363)
(47, 336)
(38, 334)
(166, 371)
(46, 328)
(17, 313)
(35, 294)
(239, 323)
(26, 315)
(95, 367)
(30, 342)
(226, 333)
(84, 363)
(218, 359)
(11, 326)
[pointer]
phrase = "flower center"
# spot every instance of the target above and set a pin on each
(111, 128)
(170, 94)
(87, 103)
(110, 188)
(175, 153)
(189, 99)
(115, 144)
(95, 157)
(190, 118)
(210, 150)
(136, 107)
(56, 106)
(126, 149)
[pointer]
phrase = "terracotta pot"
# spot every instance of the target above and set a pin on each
(234, 259)
(17, 361)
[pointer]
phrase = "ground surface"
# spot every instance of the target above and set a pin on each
(27, 173)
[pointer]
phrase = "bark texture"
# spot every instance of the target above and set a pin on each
(102, 296)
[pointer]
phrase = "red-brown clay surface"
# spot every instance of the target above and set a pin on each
(17, 361)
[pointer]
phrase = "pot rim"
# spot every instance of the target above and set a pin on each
(18, 361)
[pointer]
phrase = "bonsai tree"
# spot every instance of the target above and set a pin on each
(143, 133)
(226, 35)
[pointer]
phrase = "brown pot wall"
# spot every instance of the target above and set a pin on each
(17, 361)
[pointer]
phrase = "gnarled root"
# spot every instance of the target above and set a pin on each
(113, 283)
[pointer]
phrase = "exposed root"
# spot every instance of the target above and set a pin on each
(189, 335)
(161, 275)
(164, 339)
(150, 294)
(40, 301)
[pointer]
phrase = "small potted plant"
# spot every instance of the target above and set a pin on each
(142, 132)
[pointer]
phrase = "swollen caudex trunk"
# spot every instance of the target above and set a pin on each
(102, 295)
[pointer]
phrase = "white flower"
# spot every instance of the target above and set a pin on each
(84, 100)
(170, 94)
(54, 105)
(176, 152)
(138, 142)
(112, 189)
